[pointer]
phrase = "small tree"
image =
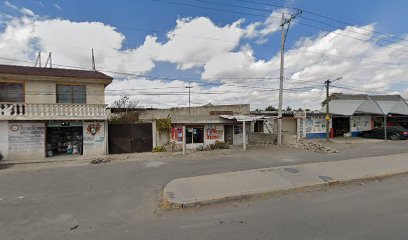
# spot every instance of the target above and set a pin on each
(125, 102)
(288, 109)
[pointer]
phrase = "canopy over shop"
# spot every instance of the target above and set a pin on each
(384, 105)
(244, 119)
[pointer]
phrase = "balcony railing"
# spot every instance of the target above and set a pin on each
(52, 111)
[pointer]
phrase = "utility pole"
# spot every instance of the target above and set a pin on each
(284, 32)
(327, 84)
(189, 88)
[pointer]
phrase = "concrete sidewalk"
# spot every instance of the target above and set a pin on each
(192, 191)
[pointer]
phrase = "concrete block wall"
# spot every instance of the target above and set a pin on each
(256, 138)
(195, 111)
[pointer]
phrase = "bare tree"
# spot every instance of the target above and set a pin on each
(125, 102)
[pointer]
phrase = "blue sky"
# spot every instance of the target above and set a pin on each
(156, 18)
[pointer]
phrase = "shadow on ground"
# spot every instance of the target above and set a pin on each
(5, 166)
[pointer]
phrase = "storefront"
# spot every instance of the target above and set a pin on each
(64, 138)
(197, 135)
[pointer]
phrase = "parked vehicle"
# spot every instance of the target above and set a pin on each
(393, 133)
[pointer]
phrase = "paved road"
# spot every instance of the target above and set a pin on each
(119, 200)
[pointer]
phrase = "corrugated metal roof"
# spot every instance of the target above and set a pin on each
(375, 104)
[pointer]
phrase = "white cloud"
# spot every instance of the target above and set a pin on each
(201, 44)
(187, 50)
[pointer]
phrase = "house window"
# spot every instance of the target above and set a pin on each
(11, 92)
(71, 94)
(195, 135)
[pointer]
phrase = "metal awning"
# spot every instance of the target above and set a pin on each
(244, 118)
(374, 104)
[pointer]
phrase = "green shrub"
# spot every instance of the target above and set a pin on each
(214, 146)
(159, 149)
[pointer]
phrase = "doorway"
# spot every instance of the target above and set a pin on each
(130, 138)
(341, 125)
(229, 134)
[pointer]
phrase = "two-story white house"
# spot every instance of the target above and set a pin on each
(45, 112)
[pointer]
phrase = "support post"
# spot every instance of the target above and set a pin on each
(327, 83)
(244, 135)
(385, 127)
(184, 140)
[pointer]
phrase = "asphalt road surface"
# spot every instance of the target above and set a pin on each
(120, 201)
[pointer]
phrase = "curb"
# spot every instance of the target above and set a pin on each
(168, 204)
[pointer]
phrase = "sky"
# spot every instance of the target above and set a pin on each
(228, 51)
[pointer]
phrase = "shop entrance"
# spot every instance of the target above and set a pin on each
(341, 125)
(64, 138)
(229, 134)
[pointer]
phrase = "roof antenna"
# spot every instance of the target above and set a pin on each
(38, 61)
(49, 60)
(93, 60)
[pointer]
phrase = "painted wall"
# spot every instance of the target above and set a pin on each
(269, 126)
(94, 139)
(26, 141)
(359, 124)
(213, 133)
(4, 139)
(316, 126)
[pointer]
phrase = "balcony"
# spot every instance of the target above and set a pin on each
(30, 111)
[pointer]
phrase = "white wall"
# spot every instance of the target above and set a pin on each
(94, 142)
(26, 141)
(4, 139)
(238, 137)
(360, 123)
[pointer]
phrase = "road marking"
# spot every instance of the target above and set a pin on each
(20, 197)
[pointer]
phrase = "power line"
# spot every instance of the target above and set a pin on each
(259, 15)
(326, 17)
(303, 17)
